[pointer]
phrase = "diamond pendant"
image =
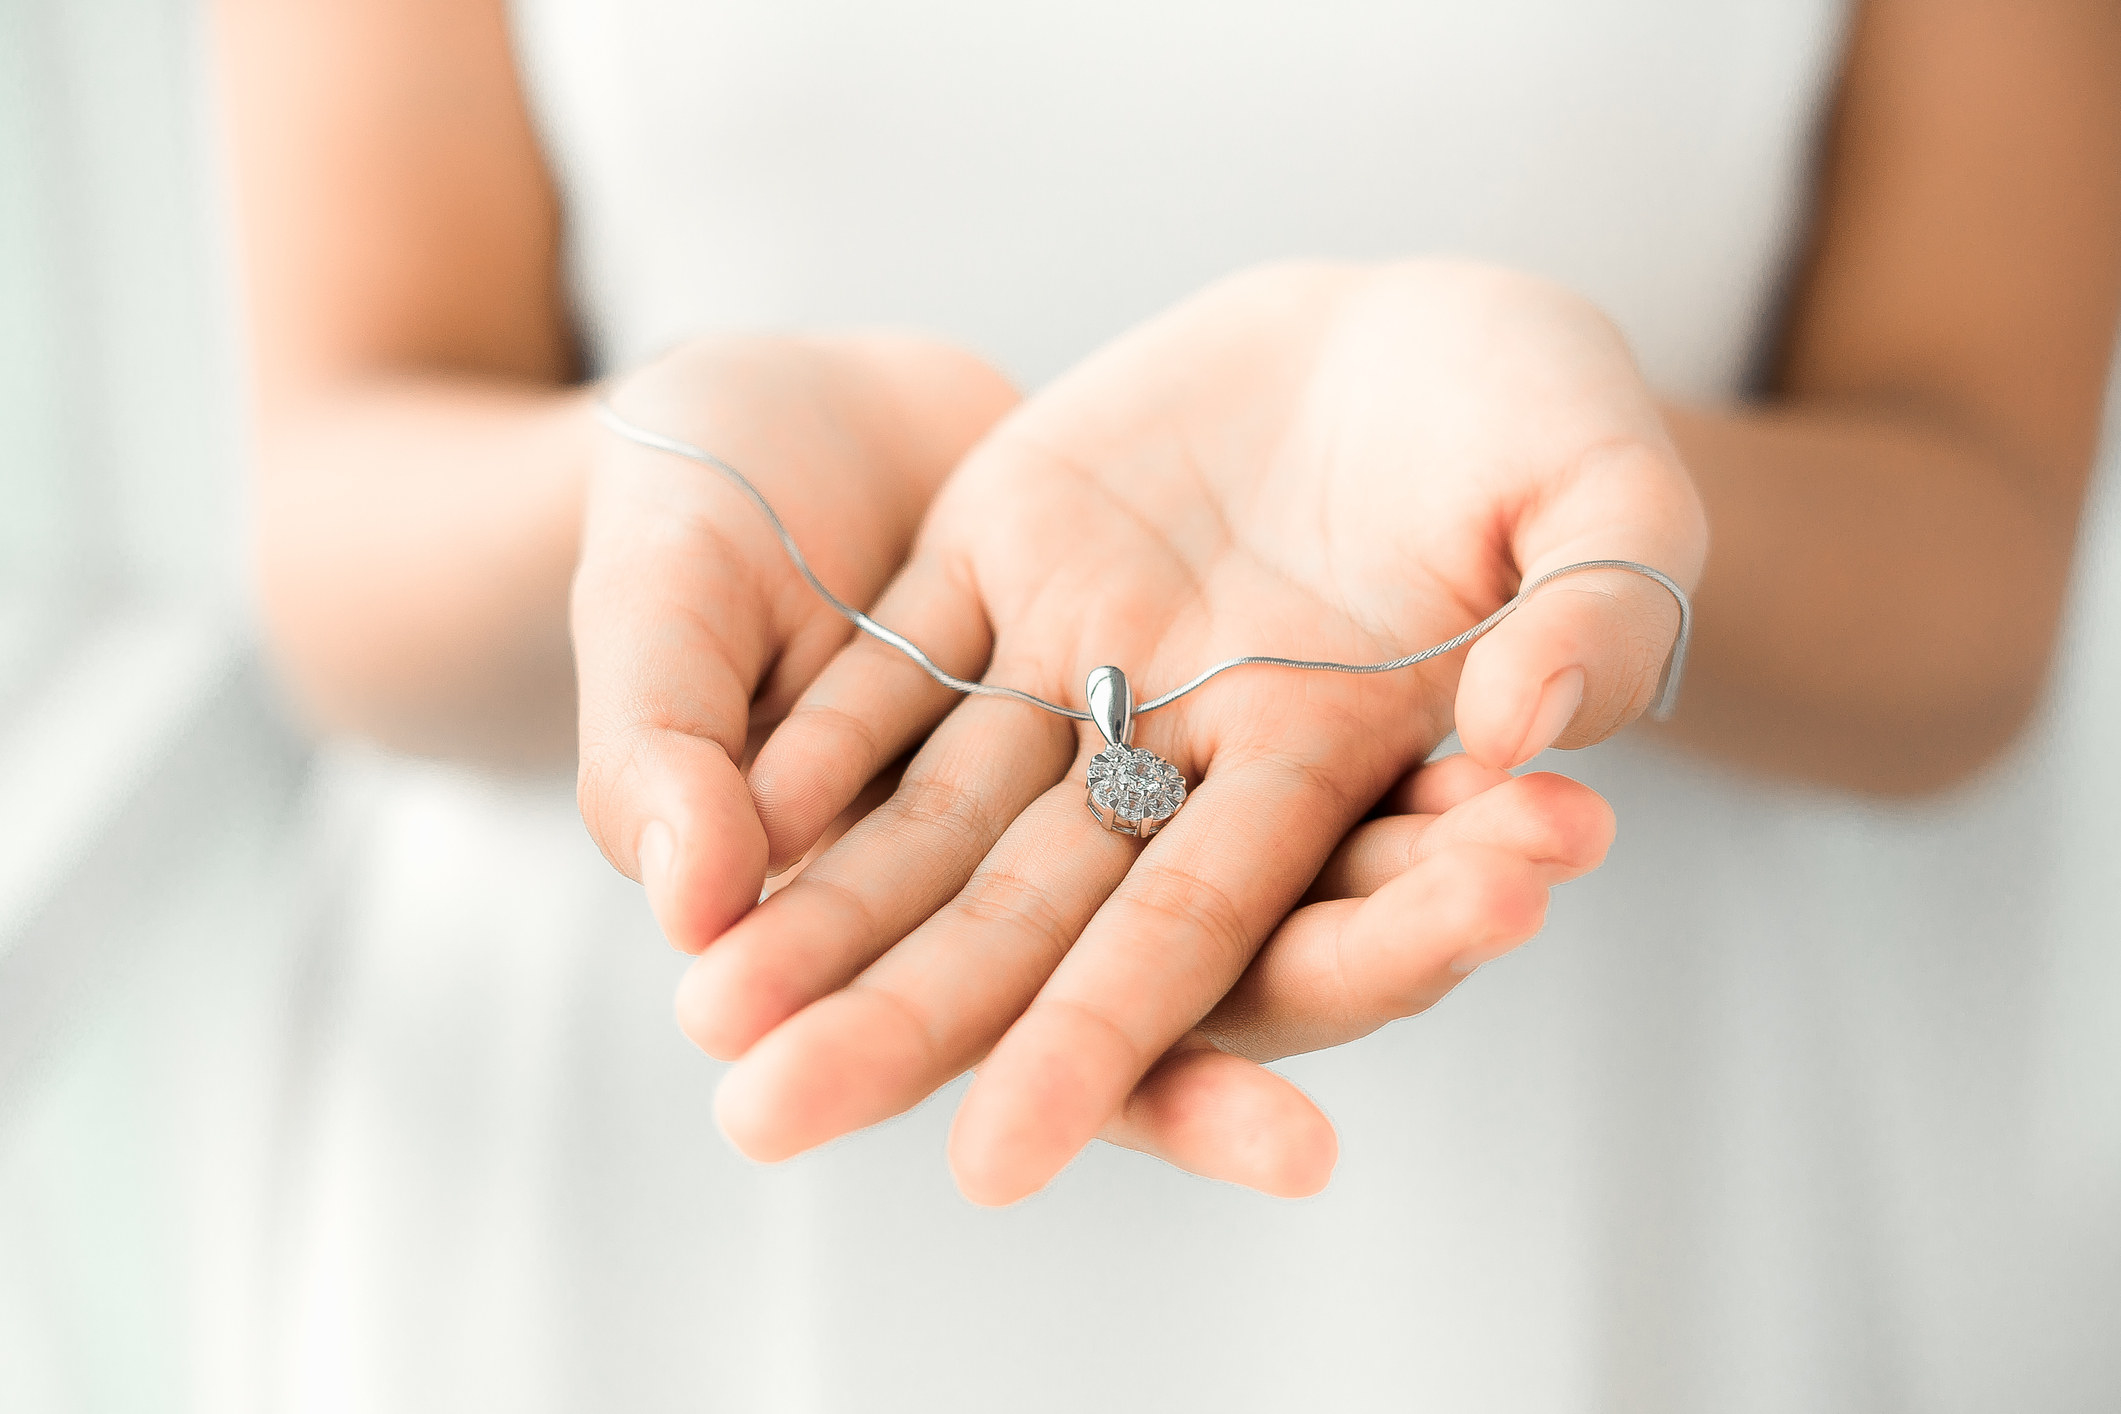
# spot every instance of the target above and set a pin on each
(1132, 791)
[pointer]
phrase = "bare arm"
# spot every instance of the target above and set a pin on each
(421, 452)
(1892, 533)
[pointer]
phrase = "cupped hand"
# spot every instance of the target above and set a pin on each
(1452, 872)
(1312, 462)
(693, 632)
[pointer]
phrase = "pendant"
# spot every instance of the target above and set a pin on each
(1132, 791)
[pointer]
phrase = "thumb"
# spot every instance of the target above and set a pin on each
(670, 640)
(1587, 652)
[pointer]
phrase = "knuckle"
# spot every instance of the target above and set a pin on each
(1315, 778)
(922, 1029)
(1091, 1016)
(1008, 900)
(935, 803)
(858, 917)
(850, 732)
(1192, 905)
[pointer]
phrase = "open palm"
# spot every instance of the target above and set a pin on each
(1314, 462)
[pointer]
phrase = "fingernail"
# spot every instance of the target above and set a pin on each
(1558, 702)
(655, 852)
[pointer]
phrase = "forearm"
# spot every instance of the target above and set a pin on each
(1881, 597)
(416, 537)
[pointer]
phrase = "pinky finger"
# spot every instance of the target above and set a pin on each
(1337, 971)
(1333, 972)
(1224, 1117)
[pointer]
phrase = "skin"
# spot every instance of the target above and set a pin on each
(1333, 461)
(1892, 525)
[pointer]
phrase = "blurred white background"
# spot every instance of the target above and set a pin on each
(169, 862)
(145, 781)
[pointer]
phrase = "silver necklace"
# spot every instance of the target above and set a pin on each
(1133, 791)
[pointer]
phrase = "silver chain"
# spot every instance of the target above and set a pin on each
(1667, 691)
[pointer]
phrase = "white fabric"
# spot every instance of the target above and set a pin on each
(1031, 180)
(1799, 1105)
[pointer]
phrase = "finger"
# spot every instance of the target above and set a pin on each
(874, 794)
(1176, 933)
(867, 706)
(1337, 971)
(1322, 979)
(1435, 786)
(987, 761)
(1560, 826)
(668, 644)
(682, 597)
(807, 653)
(930, 1007)
(1583, 656)
(1224, 1117)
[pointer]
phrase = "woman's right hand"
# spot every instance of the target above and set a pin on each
(693, 633)
(1338, 462)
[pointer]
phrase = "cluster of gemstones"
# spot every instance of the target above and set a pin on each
(1134, 791)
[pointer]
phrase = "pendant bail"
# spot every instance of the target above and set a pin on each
(1111, 700)
(1132, 791)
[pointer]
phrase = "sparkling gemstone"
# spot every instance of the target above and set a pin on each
(1134, 791)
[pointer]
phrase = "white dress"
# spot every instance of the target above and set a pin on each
(1799, 1104)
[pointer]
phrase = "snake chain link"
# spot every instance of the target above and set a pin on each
(1667, 692)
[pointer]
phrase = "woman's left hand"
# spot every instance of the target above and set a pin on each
(1335, 463)
(1454, 871)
